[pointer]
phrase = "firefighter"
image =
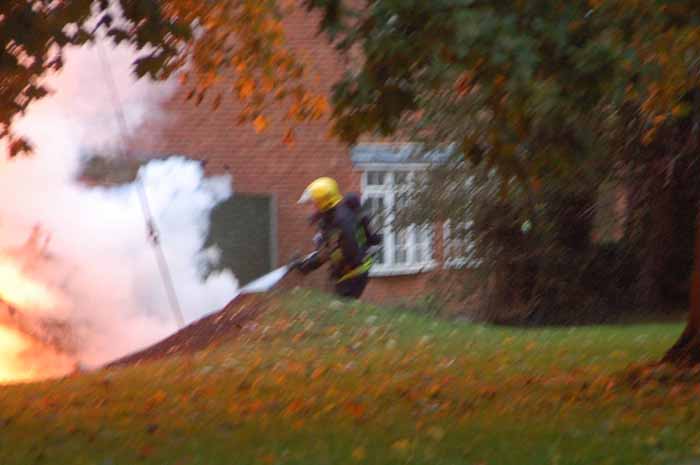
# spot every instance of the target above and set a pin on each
(343, 239)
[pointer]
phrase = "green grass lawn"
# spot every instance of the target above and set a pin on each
(315, 381)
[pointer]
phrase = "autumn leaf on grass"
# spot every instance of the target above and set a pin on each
(233, 408)
(318, 372)
(402, 446)
(436, 433)
(355, 409)
(676, 391)
(434, 390)
(294, 407)
(359, 453)
(156, 399)
(297, 368)
(255, 406)
(146, 451)
(618, 354)
(487, 392)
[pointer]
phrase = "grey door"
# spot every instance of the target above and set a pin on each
(242, 227)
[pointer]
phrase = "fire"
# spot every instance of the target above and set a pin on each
(26, 352)
(12, 345)
(24, 359)
(20, 291)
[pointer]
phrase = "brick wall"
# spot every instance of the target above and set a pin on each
(262, 163)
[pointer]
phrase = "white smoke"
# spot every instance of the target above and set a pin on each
(100, 258)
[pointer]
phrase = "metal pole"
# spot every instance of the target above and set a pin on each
(163, 267)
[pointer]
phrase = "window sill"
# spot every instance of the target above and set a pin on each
(461, 264)
(401, 270)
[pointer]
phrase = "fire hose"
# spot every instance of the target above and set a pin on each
(268, 281)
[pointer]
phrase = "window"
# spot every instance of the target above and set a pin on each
(376, 206)
(404, 250)
(458, 245)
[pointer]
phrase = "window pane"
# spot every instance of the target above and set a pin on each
(402, 199)
(400, 256)
(377, 211)
(379, 256)
(422, 253)
(375, 205)
(423, 234)
(452, 242)
(401, 247)
(424, 244)
(376, 178)
(401, 178)
(420, 178)
(460, 246)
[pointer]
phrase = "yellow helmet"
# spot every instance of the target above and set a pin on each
(324, 193)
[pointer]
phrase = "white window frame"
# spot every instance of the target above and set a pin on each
(388, 192)
(452, 261)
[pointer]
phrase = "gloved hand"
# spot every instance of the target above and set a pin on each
(295, 262)
(305, 264)
(318, 240)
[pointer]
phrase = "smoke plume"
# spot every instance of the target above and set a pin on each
(90, 246)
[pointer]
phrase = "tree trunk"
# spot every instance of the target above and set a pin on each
(686, 351)
(658, 230)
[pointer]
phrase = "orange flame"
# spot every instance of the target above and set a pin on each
(12, 344)
(23, 358)
(20, 291)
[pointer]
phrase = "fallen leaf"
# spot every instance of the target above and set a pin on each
(145, 451)
(436, 433)
(355, 409)
(294, 407)
(255, 406)
(434, 390)
(401, 445)
(156, 399)
(359, 453)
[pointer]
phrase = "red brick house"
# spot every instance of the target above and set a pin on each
(263, 164)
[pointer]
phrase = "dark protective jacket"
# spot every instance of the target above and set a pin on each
(344, 239)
